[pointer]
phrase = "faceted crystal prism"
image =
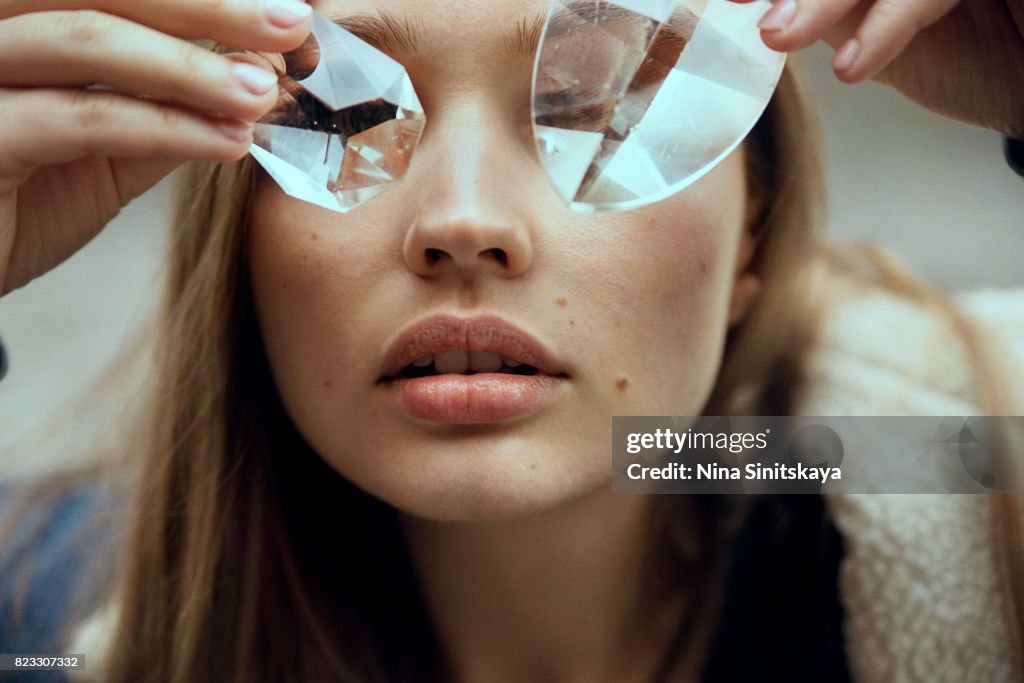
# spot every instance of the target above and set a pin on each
(346, 123)
(635, 100)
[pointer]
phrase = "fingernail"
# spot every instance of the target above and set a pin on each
(779, 17)
(239, 131)
(286, 13)
(846, 55)
(256, 80)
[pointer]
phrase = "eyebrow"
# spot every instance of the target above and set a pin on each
(399, 34)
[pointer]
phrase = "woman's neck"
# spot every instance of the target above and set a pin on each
(558, 596)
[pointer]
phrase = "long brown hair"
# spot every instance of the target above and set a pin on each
(226, 574)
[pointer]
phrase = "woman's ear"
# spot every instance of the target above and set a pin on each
(747, 283)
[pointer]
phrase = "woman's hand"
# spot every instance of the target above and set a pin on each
(72, 154)
(961, 58)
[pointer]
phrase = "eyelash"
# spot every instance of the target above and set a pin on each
(297, 108)
(571, 112)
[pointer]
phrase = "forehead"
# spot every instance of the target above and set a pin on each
(446, 13)
(444, 23)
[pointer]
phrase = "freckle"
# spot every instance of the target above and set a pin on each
(314, 237)
(533, 466)
(572, 322)
(562, 301)
(327, 384)
(622, 383)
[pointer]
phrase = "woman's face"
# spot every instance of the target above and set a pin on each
(621, 313)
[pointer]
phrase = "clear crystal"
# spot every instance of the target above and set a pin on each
(635, 100)
(346, 124)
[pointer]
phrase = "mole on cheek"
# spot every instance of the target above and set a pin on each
(327, 384)
(622, 383)
(562, 301)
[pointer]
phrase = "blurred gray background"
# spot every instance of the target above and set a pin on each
(937, 192)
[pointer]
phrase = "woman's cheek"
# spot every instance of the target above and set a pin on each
(304, 273)
(663, 292)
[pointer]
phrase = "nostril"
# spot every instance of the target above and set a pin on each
(499, 255)
(432, 256)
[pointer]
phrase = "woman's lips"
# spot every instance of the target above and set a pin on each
(472, 399)
(482, 397)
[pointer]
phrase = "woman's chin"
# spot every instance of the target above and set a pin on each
(489, 493)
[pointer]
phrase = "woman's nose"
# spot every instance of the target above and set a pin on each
(473, 218)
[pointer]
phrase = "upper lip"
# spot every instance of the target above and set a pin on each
(440, 333)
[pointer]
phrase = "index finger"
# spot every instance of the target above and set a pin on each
(262, 25)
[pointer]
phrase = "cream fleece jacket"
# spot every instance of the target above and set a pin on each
(919, 580)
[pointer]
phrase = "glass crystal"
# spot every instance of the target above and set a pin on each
(346, 123)
(635, 100)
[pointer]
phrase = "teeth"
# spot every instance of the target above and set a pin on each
(484, 361)
(461, 362)
(456, 362)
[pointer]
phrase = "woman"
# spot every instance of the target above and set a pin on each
(306, 512)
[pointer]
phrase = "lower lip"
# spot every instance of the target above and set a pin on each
(473, 399)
